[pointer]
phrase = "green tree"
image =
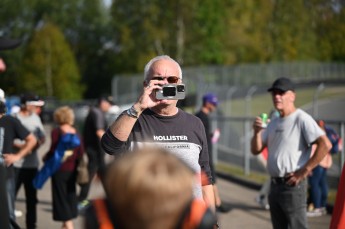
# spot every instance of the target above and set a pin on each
(205, 33)
(337, 36)
(49, 67)
(85, 24)
(189, 31)
(329, 18)
(247, 34)
(293, 33)
(136, 24)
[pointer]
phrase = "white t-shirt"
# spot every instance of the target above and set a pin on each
(289, 142)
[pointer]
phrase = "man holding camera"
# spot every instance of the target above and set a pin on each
(158, 122)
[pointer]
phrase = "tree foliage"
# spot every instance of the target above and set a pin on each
(122, 38)
(293, 36)
(49, 67)
(248, 31)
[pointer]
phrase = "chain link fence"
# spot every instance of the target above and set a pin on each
(224, 79)
(233, 147)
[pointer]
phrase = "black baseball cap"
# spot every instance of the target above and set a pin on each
(282, 84)
(106, 98)
(31, 99)
(7, 43)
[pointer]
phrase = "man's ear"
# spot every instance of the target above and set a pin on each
(293, 97)
(145, 83)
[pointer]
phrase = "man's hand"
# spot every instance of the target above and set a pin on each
(258, 125)
(256, 145)
(296, 177)
(147, 99)
(30, 143)
(11, 158)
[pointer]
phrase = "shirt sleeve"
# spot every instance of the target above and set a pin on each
(310, 129)
(20, 131)
(204, 160)
(112, 145)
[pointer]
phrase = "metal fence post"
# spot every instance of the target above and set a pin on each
(229, 94)
(248, 98)
(214, 125)
(342, 156)
(246, 147)
(320, 88)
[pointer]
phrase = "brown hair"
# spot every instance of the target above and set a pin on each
(64, 115)
(149, 189)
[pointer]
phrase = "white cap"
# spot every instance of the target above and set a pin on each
(2, 95)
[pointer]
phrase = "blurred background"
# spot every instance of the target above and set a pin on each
(76, 50)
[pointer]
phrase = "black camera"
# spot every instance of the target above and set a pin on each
(171, 91)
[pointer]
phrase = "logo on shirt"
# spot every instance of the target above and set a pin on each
(170, 138)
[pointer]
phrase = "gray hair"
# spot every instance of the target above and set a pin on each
(157, 58)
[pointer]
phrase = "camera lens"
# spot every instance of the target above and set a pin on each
(180, 88)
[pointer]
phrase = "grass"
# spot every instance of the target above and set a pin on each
(263, 102)
(259, 178)
(237, 171)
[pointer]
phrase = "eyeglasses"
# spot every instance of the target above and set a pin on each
(171, 79)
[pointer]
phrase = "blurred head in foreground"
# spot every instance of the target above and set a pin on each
(149, 189)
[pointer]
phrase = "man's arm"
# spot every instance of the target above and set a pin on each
(100, 133)
(123, 125)
(30, 143)
(114, 139)
(121, 128)
(208, 195)
(323, 146)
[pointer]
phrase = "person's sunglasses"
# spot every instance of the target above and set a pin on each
(278, 92)
(171, 79)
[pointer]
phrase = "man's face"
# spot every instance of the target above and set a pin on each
(2, 65)
(34, 109)
(282, 99)
(30, 108)
(166, 72)
(104, 106)
(211, 107)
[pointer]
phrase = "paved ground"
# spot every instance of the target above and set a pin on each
(245, 213)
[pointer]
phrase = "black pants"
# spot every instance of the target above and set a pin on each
(95, 165)
(4, 216)
(25, 176)
(64, 195)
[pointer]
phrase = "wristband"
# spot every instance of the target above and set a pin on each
(132, 112)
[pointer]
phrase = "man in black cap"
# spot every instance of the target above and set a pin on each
(289, 138)
(94, 127)
(10, 129)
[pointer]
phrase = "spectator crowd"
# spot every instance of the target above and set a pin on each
(162, 159)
